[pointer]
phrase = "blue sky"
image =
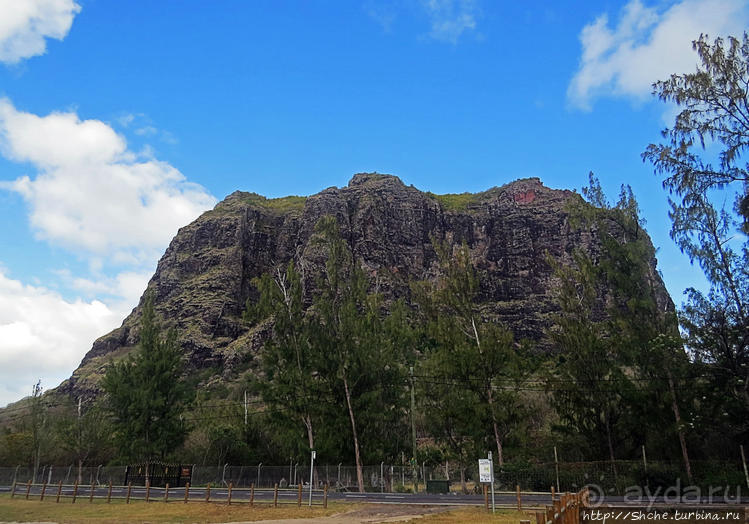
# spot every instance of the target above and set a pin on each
(122, 121)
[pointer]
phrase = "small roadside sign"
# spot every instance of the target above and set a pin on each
(485, 470)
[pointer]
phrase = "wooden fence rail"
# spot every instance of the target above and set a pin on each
(524, 504)
(232, 495)
(565, 508)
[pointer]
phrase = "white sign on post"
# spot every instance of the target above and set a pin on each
(485, 470)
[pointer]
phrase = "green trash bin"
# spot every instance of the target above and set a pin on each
(438, 486)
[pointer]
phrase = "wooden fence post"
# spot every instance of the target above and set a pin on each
(252, 494)
(325, 496)
(228, 499)
(565, 513)
(275, 496)
(208, 492)
(187, 492)
(109, 492)
(520, 502)
(486, 497)
(166, 493)
(129, 489)
(75, 491)
(59, 491)
(28, 489)
(572, 508)
(91, 496)
(552, 494)
(299, 495)
(44, 490)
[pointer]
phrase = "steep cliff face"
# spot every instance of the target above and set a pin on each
(204, 279)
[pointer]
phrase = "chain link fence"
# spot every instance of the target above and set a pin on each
(611, 478)
(70, 474)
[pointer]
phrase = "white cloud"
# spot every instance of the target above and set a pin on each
(384, 13)
(126, 119)
(25, 24)
(648, 44)
(146, 131)
(449, 19)
(93, 194)
(45, 336)
(126, 286)
(101, 201)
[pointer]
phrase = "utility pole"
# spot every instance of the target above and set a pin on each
(245, 407)
(491, 462)
(413, 434)
(311, 474)
(556, 467)
(37, 420)
(79, 442)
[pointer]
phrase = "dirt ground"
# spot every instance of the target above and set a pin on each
(370, 514)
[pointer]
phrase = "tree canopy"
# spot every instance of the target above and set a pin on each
(702, 162)
(146, 394)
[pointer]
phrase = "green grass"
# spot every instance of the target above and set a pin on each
(235, 203)
(477, 515)
(99, 511)
(283, 205)
(457, 201)
(22, 510)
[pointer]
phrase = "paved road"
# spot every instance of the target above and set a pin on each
(290, 496)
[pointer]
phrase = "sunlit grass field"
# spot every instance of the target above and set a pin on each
(21, 510)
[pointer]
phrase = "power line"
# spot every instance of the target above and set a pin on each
(526, 384)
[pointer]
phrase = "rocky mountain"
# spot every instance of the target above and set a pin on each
(204, 278)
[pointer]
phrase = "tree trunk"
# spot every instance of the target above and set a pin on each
(490, 397)
(463, 484)
(80, 471)
(611, 447)
(311, 441)
(359, 476)
(36, 461)
(679, 430)
(310, 436)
